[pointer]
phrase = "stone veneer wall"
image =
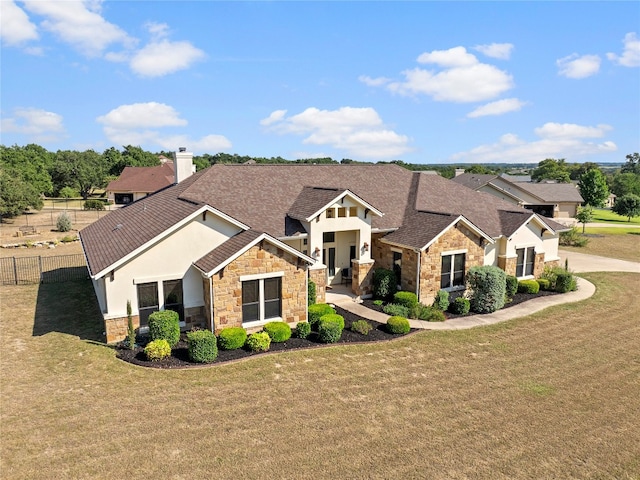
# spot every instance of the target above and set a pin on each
(508, 264)
(383, 255)
(264, 258)
(362, 277)
(455, 238)
(319, 277)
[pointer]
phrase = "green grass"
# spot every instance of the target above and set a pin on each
(603, 215)
(553, 395)
(612, 230)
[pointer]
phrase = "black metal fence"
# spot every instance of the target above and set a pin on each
(52, 269)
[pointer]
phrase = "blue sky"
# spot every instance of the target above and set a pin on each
(424, 82)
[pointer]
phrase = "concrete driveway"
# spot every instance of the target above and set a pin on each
(581, 262)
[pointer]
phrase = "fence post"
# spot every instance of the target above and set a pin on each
(15, 270)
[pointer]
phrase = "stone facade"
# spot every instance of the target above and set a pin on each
(454, 239)
(362, 277)
(264, 258)
(319, 277)
(509, 264)
(383, 255)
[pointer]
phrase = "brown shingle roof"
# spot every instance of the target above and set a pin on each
(553, 192)
(474, 180)
(312, 199)
(143, 179)
(228, 249)
(420, 228)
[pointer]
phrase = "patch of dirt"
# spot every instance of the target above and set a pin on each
(180, 355)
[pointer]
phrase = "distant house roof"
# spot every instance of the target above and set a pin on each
(516, 178)
(143, 179)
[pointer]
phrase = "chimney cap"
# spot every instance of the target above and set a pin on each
(182, 149)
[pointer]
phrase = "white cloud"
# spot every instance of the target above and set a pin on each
(136, 124)
(373, 82)
(576, 66)
(15, 26)
(359, 132)
(498, 107)
(463, 79)
(631, 54)
(79, 24)
(555, 140)
(36, 124)
(501, 51)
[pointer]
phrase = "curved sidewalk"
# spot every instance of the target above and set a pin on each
(578, 262)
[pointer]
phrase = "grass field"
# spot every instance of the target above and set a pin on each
(614, 242)
(604, 215)
(554, 395)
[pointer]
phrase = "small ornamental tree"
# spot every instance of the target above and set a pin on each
(627, 206)
(63, 224)
(131, 333)
(584, 216)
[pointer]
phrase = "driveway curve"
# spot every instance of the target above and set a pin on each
(582, 262)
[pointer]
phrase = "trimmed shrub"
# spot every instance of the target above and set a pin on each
(544, 283)
(318, 310)
(461, 306)
(203, 346)
(165, 324)
(488, 288)
(398, 325)
(278, 331)
(330, 328)
(232, 338)
(131, 333)
(93, 204)
(303, 329)
(573, 238)
(528, 286)
(441, 301)
(406, 299)
(511, 285)
(361, 326)
(157, 350)
(384, 283)
(565, 282)
(258, 342)
(378, 302)
(333, 317)
(311, 293)
(63, 223)
(430, 314)
(394, 309)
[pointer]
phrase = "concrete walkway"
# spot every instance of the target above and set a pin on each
(578, 262)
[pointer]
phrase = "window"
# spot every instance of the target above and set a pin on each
(329, 237)
(452, 270)
(147, 301)
(353, 211)
(261, 299)
(397, 266)
(173, 297)
(525, 262)
(342, 212)
(331, 213)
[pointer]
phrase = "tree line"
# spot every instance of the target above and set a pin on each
(28, 173)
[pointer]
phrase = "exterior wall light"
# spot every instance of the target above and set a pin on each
(366, 247)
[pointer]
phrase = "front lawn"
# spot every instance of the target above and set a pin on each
(614, 242)
(605, 215)
(553, 395)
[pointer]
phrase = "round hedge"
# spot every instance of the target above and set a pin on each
(278, 331)
(157, 350)
(203, 346)
(318, 310)
(460, 306)
(333, 317)
(528, 286)
(330, 329)
(303, 329)
(165, 324)
(406, 299)
(258, 342)
(232, 338)
(398, 325)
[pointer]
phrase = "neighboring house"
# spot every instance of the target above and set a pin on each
(235, 245)
(554, 200)
(135, 183)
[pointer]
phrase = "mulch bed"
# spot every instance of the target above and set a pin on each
(180, 355)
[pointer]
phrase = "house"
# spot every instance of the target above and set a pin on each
(555, 200)
(135, 183)
(235, 245)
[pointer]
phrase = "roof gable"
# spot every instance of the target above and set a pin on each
(312, 201)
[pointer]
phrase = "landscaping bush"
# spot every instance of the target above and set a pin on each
(394, 309)
(311, 293)
(131, 333)
(330, 328)
(318, 310)
(528, 286)
(406, 299)
(165, 324)
(258, 342)
(378, 302)
(157, 350)
(361, 326)
(232, 338)
(93, 204)
(565, 282)
(303, 329)
(203, 347)
(68, 192)
(384, 284)
(573, 238)
(488, 287)
(461, 306)
(63, 223)
(278, 331)
(441, 301)
(544, 283)
(511, 285)
(398, 325)
(430, 314)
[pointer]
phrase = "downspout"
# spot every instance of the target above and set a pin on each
(418, 275)
(211, 305)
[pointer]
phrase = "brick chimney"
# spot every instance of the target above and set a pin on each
(183, 164)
